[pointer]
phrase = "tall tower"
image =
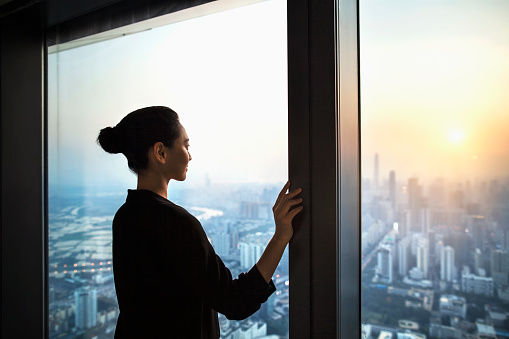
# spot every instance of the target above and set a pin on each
(423, 256)
(221, 243)
(478, 262)
(385, 264)
(249, 254)
(425, 220)
(246, 255)
(85, 299)
(284, 264)
(447, 264)
(476, 226)
(392, 189)
(375, 176)
(505, 239)
(414, 203)
(404, 256)
(404, 224)
(500, 267)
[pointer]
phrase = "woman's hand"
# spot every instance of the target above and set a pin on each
(284, 210)
(284, 213)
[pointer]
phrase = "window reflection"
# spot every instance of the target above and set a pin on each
(435, 224)
(229, 88)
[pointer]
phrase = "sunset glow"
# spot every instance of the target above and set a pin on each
(456, 136)
(435, 166)
(434, 80)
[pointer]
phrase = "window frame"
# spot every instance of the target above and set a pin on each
(23, 203)
(323, 94)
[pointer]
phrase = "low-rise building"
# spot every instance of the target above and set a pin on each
(471, 283)
(453, 305)
(442, 331)
(485, 331)
(497, 315)
(503, 293)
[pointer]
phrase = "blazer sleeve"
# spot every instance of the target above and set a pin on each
(202, 271)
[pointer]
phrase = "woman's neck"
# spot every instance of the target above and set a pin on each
(156, 184)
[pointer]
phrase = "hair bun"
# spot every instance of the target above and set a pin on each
(110, 140)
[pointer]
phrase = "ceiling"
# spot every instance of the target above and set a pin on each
(57, 10)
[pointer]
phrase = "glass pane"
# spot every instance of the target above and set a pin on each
(435, 168)
(225, 74)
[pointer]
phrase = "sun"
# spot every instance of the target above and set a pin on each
(456, 136)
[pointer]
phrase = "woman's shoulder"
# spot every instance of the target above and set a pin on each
(178, 212)
(143, 202)
(157, 215)
(177, 220)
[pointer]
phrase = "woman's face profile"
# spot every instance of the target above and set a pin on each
(179, 157)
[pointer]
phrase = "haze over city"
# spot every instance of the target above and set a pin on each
(229, 87)
(434, 79)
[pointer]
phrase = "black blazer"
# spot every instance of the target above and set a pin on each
(169, 281)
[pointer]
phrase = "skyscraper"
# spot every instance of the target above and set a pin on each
(85, 299)
(431, 243)
(500, 267)
(414, 204)
(423, 256)
(392, 189)
(404, 224)
(385, 264)
(478, 261)
(221, 243)
(249, 254)
(476, 226)
(375, 175)
(447, 264)
(404, 256)
(425, 220)
(245, 255)
(462, 245)
(284, 264)
(505, 239)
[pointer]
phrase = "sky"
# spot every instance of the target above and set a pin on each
(434, 88)
(434, 78)
(224, 74)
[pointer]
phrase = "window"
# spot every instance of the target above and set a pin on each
(434, 171)
(226, 76)
(322, 94)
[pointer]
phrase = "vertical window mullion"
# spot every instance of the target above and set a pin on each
(324, 160)
(349, 173)
(298, 166)
(22, 172)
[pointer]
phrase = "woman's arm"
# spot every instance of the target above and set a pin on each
(204, 275)
(283, 216)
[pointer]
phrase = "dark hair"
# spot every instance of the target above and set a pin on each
(138, 131)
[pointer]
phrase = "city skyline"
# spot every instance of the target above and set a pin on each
(432, 105)
(236, 218)
(435, 258)
(401, 176)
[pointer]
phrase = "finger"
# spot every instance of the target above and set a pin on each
(293, 193)
(294, 212)
(282, 194)
(287, 197)
(285, 207)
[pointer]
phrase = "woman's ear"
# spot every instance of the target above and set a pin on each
(158, 152)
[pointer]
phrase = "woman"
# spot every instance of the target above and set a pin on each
(168, 279)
